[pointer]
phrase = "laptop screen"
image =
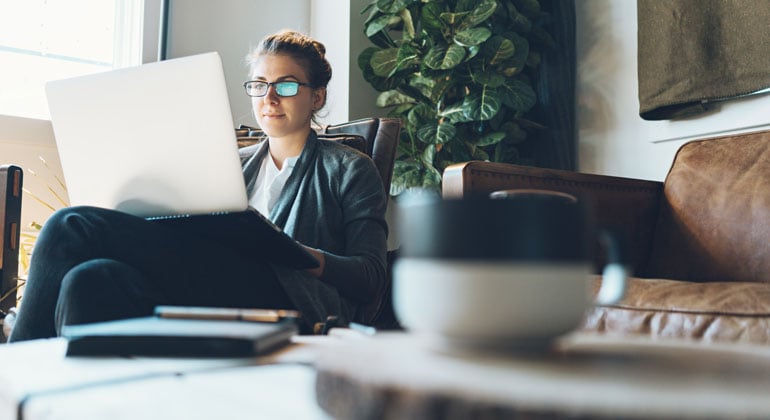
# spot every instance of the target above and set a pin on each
(152, 140)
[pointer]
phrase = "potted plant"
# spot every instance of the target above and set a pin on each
(459, 73)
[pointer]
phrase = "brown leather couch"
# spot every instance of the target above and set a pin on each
(699, 242)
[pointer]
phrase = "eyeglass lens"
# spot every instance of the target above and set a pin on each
(259, 89)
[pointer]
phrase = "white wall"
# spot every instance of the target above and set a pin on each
(23, 142)
(231, 28)
(613, 139)
(362, 100)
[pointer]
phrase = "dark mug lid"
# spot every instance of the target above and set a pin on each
(521, 227)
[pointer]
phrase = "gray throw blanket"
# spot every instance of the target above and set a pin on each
(692, 52)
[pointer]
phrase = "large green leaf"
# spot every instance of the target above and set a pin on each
(455, 113)
(381, 23)
(461, 152)
(392, 6)
(498, 48)
(513, 132)
(420, 114)
(518, 95)
(480, 154)
(427, 133)
(426, 86)
(519, 22)
(488, 78)
(490, 139)
(431, 178)
(522, 23)
(431, 17)
(481, 13)
(400, 111)
(521, 46)
(452, 19)
(365, 57)
(444, 57)
(379, 83)
(393, 98)
(445, 133)
(414, 92)
(472, 36)
(384, 62)
(434, 133)
(406, 174)
(428, 155)
(407, 56)
(439, 89)
(414, 174)
(482, 104)
(466, 5)
(472, 52)
(406, 16)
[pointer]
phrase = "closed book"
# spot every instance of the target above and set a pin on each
(155, 336)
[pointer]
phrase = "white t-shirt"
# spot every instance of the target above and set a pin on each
(270, 182)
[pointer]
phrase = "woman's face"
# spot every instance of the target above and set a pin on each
(284, 116)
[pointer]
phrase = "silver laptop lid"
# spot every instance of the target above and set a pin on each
(152, 140)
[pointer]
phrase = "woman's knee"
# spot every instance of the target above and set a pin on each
(101, 290)
(71, 223)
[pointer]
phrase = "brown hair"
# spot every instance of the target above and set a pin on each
(300, 47)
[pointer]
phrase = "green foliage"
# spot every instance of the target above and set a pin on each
(459, 74)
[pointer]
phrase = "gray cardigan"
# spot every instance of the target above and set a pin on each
(333, 201)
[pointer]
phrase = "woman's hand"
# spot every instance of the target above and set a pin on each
(321, 261)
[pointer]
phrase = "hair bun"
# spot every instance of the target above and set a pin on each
(320, 48)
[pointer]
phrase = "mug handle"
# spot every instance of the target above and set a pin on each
(616, 272)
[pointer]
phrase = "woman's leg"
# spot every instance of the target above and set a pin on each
(178, 269)
(103, 290)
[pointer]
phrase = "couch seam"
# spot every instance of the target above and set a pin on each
(685, 311)
(566, 183)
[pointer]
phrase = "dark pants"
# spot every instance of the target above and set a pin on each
(91, 264)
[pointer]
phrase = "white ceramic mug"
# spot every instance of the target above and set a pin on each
(512, 272)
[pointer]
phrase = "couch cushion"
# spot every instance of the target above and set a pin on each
(716, 311)
(714, 223)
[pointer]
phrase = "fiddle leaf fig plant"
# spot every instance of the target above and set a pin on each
(459, 75)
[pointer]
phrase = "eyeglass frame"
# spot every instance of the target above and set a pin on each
(273, 84)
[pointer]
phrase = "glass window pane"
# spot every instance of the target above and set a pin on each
(42, 40)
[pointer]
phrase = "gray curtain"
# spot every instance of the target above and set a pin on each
(556, 146)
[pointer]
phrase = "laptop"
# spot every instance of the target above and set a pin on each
(157, 141)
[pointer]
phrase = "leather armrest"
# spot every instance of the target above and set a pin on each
(625, 205)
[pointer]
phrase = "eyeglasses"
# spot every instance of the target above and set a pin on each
(258, 88)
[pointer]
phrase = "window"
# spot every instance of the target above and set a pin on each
(42, 40)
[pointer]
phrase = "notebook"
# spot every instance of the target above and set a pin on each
(158, 141)
(155, 336)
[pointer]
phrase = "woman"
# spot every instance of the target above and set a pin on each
(92, 264)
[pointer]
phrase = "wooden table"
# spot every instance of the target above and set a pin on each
(400, 376)
(393, 376)
(37, 382)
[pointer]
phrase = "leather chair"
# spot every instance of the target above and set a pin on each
(378, 138)
(699, 242)
(11, 180)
